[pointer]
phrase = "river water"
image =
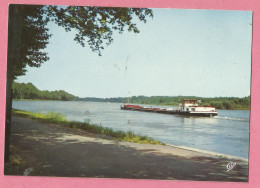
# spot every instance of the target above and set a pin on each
(228, 133)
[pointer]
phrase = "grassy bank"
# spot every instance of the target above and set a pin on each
(57, 118)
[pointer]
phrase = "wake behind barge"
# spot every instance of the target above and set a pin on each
(187, 107)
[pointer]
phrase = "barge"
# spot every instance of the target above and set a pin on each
(188, 107)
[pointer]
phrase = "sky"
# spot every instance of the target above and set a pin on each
(204, 53)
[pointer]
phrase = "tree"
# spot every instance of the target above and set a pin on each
(28, 35)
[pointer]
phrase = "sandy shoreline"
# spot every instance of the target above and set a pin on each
(54, 150)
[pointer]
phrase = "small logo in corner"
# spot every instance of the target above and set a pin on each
(231, 165)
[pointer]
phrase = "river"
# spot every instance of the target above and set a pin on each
(228, 133)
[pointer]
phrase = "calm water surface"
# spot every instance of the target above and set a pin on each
(228, 133)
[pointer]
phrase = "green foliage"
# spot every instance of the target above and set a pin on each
(29, 91)
(50, 117)
(229, 103)
(95, 25)
(57, 118)
(27, 37)
(28, 34)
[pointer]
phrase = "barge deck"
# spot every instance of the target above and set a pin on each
(186, 108)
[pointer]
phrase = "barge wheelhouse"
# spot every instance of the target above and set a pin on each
(192, 107)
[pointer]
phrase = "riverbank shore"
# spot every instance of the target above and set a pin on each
(60, 119)
(54, 150)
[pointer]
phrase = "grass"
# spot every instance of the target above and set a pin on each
(58, 118)
(16, 164)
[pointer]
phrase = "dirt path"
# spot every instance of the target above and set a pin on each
(53, 150)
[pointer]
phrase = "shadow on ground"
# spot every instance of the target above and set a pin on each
(53, 150)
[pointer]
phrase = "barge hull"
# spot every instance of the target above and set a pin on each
(173, 112)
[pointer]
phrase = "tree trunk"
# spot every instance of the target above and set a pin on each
(13, 57)
(8, 114)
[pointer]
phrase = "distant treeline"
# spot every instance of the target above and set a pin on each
(29, 91)
(230, 103)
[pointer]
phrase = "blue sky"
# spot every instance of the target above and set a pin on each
(203, 53)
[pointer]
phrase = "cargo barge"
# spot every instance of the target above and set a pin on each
(188, 107)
